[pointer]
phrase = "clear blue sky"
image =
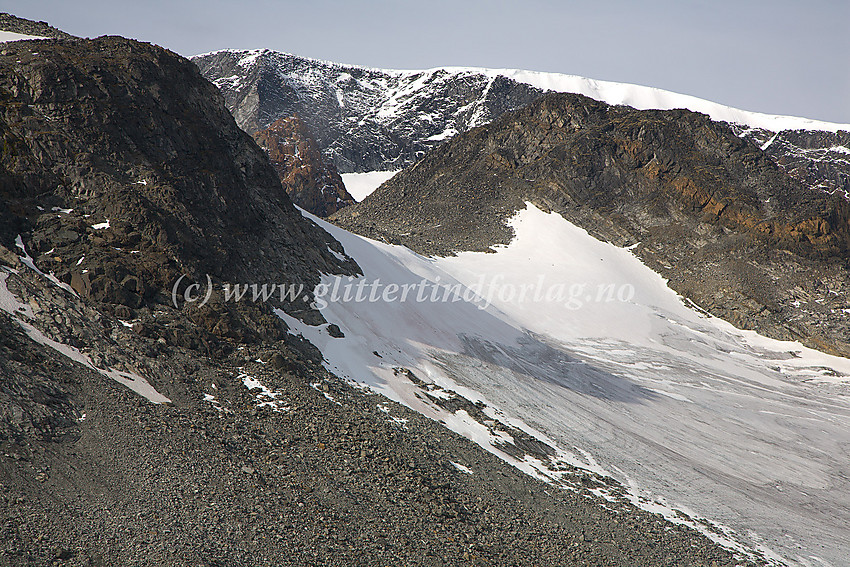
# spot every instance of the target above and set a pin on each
(779, 57)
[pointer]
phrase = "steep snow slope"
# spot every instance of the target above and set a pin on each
(578, 343)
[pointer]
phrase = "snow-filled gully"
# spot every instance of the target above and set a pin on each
(577, 343)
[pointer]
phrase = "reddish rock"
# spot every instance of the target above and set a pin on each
(310, 182)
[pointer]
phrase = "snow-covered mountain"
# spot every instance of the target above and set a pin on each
(378, 120)
(365, 119)
(141, 423)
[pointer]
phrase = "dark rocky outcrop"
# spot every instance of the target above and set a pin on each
(312, 184)
(710, 211)
(123, 170)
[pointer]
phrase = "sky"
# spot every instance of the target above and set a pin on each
(779, 57)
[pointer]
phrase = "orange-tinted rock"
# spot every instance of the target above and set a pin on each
(310, 182)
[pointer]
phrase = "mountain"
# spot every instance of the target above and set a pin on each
(704, 207)
(363, 119)
(122, 173)
(576, 267)
(139, 424)
(188, 195)
(312, 184)
(371, 119)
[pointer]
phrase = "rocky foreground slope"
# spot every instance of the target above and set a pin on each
(710, 211)
(134, 431)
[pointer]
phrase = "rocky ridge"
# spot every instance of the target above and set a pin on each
(12, 23)
(710, 211)
(371, 119)
(312, 184)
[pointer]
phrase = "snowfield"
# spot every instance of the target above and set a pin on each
(651, 98)
(361, 185)
(578, 343)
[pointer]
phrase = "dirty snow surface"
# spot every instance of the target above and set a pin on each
(600, 358)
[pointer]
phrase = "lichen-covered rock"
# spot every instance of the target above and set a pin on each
(311, 183)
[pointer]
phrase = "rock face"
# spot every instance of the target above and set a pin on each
(707, 209)
(312, 184)
(820, 160)
(122, 170)
(369, 119)
(363, 119)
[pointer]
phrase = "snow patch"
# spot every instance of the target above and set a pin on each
(265, 397)
(361, 185)
(6, 36)
(462, 468)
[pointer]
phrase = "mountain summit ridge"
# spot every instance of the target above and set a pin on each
(640, 97)
(367, 119)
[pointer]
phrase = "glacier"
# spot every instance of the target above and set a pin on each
(688, 412)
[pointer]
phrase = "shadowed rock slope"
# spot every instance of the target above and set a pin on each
(363, 119)
(708, 210)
